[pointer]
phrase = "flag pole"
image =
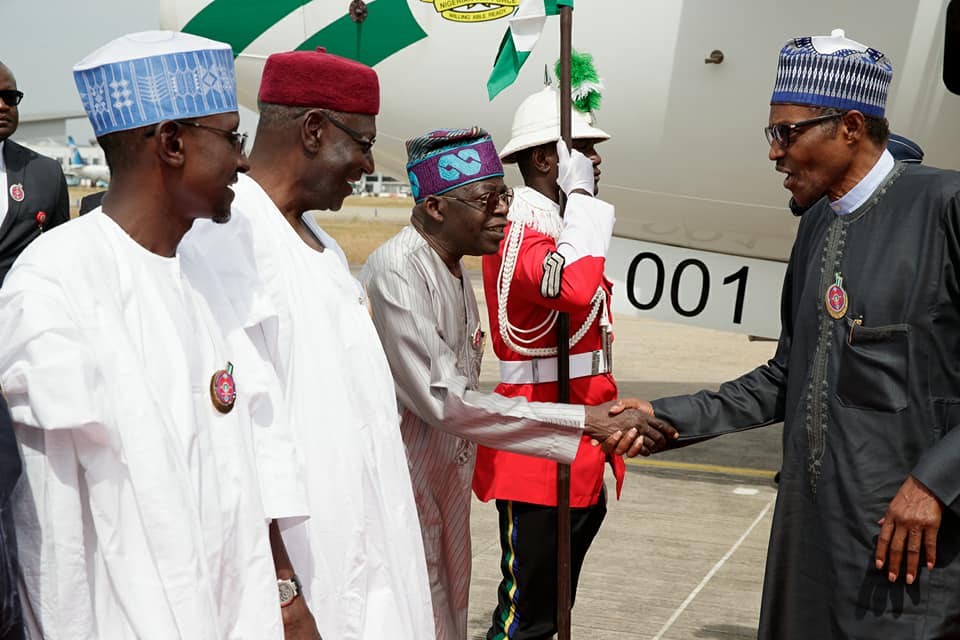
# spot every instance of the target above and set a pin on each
(563, 353)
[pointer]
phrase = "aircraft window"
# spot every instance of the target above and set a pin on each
(951, 48)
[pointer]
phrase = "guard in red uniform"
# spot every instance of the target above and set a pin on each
(547, 265)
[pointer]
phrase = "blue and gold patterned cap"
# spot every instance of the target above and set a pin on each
(445, 159)
(144, 78)
(833, 71)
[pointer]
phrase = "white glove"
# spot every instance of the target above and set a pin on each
(574, 170)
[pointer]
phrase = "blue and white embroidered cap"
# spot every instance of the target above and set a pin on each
(144, 78)
(833, 71)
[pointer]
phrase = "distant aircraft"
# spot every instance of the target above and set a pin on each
(703, 229)
(81, 167)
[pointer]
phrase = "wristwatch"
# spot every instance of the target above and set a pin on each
(289, 590)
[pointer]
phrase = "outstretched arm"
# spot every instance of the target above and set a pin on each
(430, 383)
(755, 399)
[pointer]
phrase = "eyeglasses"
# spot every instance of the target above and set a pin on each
(11, 97)
(366, 144)
(780, 133)
(488, 202)
(237, 139)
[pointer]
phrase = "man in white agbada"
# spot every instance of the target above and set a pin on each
(148, 424)
(360, 557)
(426, 314)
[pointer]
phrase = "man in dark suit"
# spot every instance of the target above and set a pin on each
(91, 201)
(34, 197)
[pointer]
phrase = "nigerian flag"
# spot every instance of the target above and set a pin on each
(519, 40)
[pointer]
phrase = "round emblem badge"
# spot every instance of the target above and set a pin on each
(223, 389)
(16, 192)
(836, 299)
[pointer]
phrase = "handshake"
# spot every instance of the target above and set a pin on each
(627, 427)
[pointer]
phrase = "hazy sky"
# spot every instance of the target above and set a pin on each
(53, 35)
(43, 39)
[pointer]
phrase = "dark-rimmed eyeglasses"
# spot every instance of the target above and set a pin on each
(366, 144)
(11, 97)
(237, 139)
(781, 133)
(488, 202)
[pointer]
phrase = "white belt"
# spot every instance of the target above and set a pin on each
(538, 370)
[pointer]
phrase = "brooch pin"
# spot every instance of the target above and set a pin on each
(17, 192)
(223, 389)
(41, 219)
(479, 339)
(836, 298)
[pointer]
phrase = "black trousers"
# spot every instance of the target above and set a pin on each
(15, 633)
(527, 595)
(11, 620)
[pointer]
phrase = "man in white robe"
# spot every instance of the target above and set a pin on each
(360, 557)
(150, 429)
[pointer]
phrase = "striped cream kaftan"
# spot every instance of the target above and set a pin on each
(430, 328)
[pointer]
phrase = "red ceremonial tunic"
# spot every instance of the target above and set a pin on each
(510, 476)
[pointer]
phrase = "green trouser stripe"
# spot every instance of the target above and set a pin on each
(509, 558)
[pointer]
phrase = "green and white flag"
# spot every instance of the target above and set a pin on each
(519, 40)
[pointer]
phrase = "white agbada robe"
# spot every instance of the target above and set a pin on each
(360, 556)
(142, 511)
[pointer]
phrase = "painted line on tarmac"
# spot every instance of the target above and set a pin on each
(712, 572)
(709, 468)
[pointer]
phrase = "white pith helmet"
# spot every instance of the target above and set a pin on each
(537, 121)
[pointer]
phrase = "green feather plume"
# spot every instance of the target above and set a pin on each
(584, 82)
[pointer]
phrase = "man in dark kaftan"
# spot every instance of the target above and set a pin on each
(866, 537)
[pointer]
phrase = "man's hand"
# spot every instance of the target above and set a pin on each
(298, 622)
(913, 515)
(631, 403)
(574, 170)
(629, 431)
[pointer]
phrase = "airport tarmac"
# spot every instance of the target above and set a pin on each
(681, 555)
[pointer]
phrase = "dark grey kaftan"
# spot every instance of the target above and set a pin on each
(864, 405)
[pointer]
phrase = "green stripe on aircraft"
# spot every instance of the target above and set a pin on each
(389, 27)
(239, 22)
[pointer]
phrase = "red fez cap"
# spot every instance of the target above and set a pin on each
(320, 79)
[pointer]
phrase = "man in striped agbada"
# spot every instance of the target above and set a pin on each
(426, 314)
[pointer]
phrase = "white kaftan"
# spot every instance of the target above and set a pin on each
(430, 327)
(360, 556)
(142, 511)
